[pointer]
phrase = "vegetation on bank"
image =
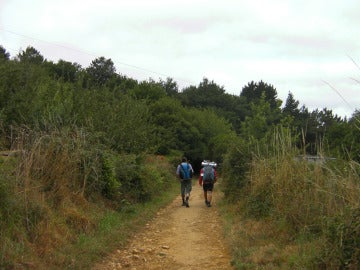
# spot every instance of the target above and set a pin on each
(93, 151)
(288, 212)
(53, 215)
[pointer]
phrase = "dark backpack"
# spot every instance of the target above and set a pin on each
(208, 174)
(185, 172)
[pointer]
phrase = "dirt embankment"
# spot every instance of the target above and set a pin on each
(178, 238)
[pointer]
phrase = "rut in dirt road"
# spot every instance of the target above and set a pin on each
(178, 238)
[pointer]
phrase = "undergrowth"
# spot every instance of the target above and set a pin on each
(65, 202)
(294, 213)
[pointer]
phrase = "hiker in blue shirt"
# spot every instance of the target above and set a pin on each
(184, 172)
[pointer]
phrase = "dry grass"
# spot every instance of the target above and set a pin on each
(53, 222)
(261, 245)
(296, 214)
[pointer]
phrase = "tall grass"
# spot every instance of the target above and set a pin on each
(64, 188)
(309, 210)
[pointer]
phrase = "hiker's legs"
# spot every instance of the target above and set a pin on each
(209, 196)
(182, 190)
(208, 187)
(211, 186)
(188, 187)
(206, 198)
(205, 188)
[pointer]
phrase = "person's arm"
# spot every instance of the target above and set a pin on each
(215, 176)
(200, 177)
(191, 168)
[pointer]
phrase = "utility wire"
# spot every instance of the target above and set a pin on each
(336, 91)
(91, 54)
(356, 64)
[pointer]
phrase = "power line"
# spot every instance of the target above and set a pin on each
(356, 64)
(92, 54)
(333, 88)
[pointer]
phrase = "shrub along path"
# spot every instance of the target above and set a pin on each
(177, 238)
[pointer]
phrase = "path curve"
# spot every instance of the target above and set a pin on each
(177, 238)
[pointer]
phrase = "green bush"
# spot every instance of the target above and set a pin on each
(140, 178)
(8, 202)
(235, 169)
(111, 185)
(12, 216)
(259, 205)
(342, 234)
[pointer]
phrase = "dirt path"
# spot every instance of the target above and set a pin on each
(178, 238)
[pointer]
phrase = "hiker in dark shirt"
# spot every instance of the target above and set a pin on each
(207, 179)
(184, 172)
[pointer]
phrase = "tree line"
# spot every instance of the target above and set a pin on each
(156, 116)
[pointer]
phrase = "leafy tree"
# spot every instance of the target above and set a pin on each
(317, 127)
(260, 93)
(256, 126)
(197, 133)
(355, 118)
(210, 95)
(253, 92)
(170, 86)
(167, 115)
(121, 84)
(18, 85)
(100, 71)
(351, 141)
(4, 55)
(217, 134)
(64, 70)
(337, 143)
(237, 112)
(30, 55)
(207, 94)
(130, 126)
(291, 107)
(148, 90)
(123, 124)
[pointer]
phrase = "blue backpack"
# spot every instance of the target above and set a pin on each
(185, 172)
(208, 174)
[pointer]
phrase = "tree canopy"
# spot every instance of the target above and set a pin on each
(156, 116)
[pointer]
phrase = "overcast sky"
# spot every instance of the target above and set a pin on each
(310, 48)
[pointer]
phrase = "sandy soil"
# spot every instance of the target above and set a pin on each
(178, 238)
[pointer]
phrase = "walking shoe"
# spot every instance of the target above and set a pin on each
(184, 203)
(208, 204)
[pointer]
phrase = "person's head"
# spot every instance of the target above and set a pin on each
(184, 159)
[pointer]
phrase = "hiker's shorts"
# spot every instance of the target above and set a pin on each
(208, 186)
(186, 187)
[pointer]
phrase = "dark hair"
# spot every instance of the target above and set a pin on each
(184, 159)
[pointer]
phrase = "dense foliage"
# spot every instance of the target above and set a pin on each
(93, 132)
(149, 116)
